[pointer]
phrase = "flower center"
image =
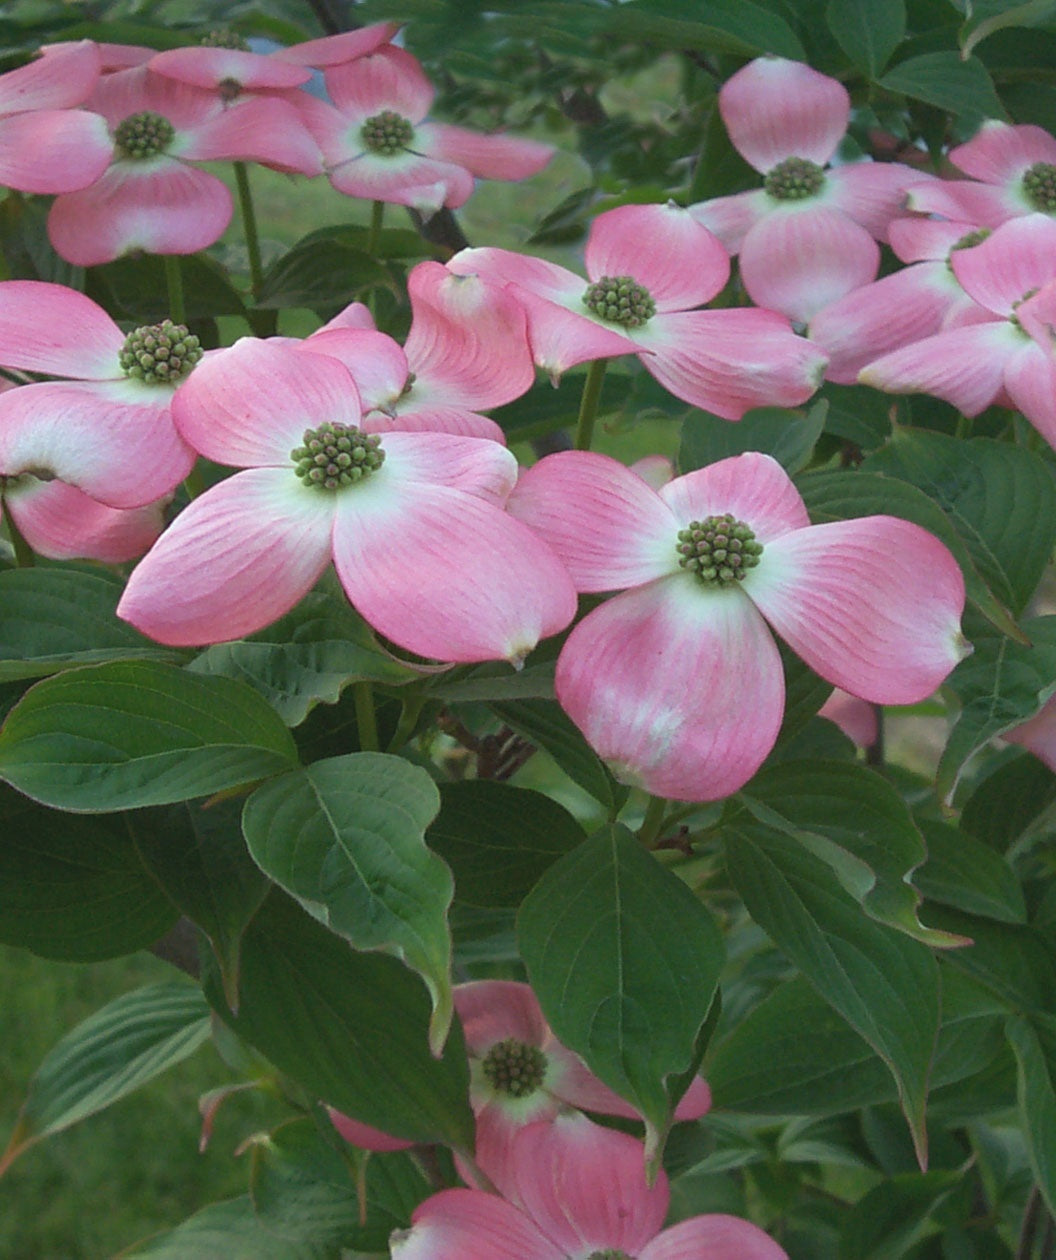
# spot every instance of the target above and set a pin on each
(1039, 183)
(224, 38)
(794, 179)
(387, 133)
(719, 550)
(610, 1253)
(143, 135)
(160, 354)
(513, 1067)
(620, 300)
(337, 455)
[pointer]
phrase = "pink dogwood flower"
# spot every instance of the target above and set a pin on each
(1013, 169)
(336, 50)
(152, 196)
(60, 522)
(46, 144)
(413, 522)
(980, 364)
(377, 144)
(806, 237)
(107, 428)
(225, 65)
(580, 1193)
(1038, 734)
(918, 301)
(648, 266)
(677, 682)
(466, 352)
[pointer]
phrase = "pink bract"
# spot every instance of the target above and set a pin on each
(60, 522)
(108, 434)
(726, 361)
(808, 237)
(46, 145)
(420, 542)
(377, 144)
(677, 682)
(977, 365)
(580, 1192)
(152, 196)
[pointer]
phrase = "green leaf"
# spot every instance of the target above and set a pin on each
(724, 26)
(52, 619)
(198, 856)
(320, 272)
(132, 733)
(1034, 1045)
(854, 821)
(986, 20)
(346, 837)
(349, 1027)
(497, 681)
(74, 888)
(545, 723)
(1000, 685)
(1014, 962)
(499, 840)
(868, 31)
(894, 1215)
(841, 496)
(968, 875)
(108, 1056)
(229, 1229)
(1008, 803)
(309, 656)
(625, 962)
(136, 288)
(789, 436)
(883, 983)
(304, 1190)
(1001, 499)
(944, 79)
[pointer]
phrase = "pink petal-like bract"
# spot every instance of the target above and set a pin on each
(332, 50)
(873, 605)
(713, 1237)
(60, 522)
(798, 260)
(487, 156)
(856, 718)
(356, 1133)
(1014, 261)
(999, 152)
(1038, 734)
(63, 76)
(458, 1224)
(55, 330)
(53, 151)
(774, 109)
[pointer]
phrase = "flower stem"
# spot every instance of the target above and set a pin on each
(409, 714)
(263, 323)
(174, 284)
(366, 718)
(377, 217)
(24, 556)
(653, 822)
(588, 406)
(194, 483)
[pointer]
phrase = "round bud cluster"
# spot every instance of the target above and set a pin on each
(143, 135)
(970, 239)
(337, 455)
(719, 550)
(160, 354)
(387, 133)
(1039, 183)
(515, 1068)
(794, 179)
(620, 300)
(224, 38)
(610, 1253)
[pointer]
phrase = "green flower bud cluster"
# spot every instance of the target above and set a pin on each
(224, 38)
(1039, 183)
(143, 135)
(719, 550)
(515, 1068)
(620, 300)
(794, 179)
(337, 455)
(610, 1253)
(160, 354)
(387, 133)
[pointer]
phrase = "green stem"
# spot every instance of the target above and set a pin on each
(588, 406)
(174, 284)
(409, 714)
(24, 556)
(249, 227)
(653, 822)
(377, 217)
(366, 719)
(194, 483)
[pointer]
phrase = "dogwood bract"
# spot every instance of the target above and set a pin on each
(677, 682)
(413, 522)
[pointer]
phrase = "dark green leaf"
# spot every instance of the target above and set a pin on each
(74, 888)
(346, 837)
(883, 983)
(1009, 802)
(1034, 1045)
(1012, 961)
(868, 31)
(350, 1027)
(229, 1229)
(624, 961)
(724, 26)
(789, 436)
(499, 839)
(136, 288)
(986, 19)
(320, 273)
(52, 619)
(948, 81)
(892, 1216)
(968, 875)
(131, 733)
